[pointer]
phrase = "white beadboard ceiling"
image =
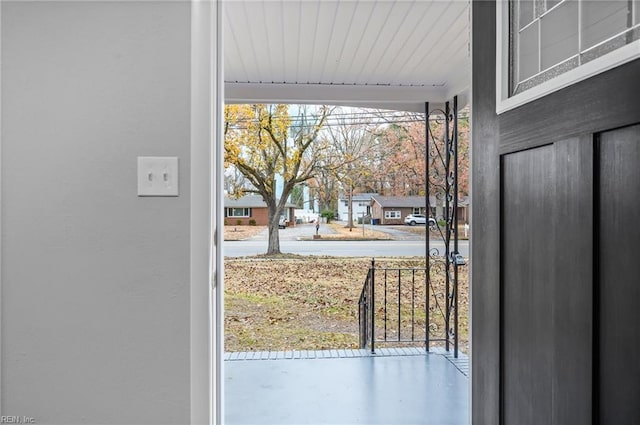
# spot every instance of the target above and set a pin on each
(377, 53)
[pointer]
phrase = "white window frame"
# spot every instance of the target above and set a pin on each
(246, 212)
(396, 214)
(505, 103)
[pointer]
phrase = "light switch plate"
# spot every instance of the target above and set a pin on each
(157, 176)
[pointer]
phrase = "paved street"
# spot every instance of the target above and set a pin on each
(290, 243)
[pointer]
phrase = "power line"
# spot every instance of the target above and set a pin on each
(353, 120)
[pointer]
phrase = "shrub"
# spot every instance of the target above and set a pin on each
(328, 214)
(239, 222)
(225, 222)
(252, 222)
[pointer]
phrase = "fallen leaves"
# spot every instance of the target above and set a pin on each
(239, 233)
(304, 303)
(344, 233)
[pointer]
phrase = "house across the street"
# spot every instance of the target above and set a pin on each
(242, 210)
(393, 209)
(361, 206)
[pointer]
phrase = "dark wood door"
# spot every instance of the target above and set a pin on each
(618, 280)
(528, 193)
(555, 267)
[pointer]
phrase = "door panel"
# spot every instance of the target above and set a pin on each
(619, 276)
(573, 283)
(527, 304)
(546, 284)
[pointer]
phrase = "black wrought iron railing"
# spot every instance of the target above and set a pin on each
(420, 305)
(401, 307)
(366, 321)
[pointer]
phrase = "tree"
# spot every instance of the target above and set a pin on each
(400, 170)
(264, 141)
(402, 159)
(297, 196)
(351, 144)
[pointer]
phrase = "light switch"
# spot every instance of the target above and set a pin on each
(157, 176)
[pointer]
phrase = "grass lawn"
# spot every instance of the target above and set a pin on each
(306, 303)
(344, 233)
(238, 233)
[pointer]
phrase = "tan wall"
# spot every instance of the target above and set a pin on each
(376, 211)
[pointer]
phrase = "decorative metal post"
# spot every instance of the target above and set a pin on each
(447, 219)
(427, 278)
(443, 155)
(455, 225)
(373, 305)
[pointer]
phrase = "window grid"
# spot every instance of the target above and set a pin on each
(543, 8)
(238, 212)
(392, 214)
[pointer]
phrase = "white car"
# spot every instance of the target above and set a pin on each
(413, 219)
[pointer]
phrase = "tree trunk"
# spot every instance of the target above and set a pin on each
(350, 210)
(274, 235)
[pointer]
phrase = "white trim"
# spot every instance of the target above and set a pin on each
(217, 215)
(396, 214)
(502, 52)
(205, 208)
(227, 210)
(1, 3)
(505, 103)
(403, 98)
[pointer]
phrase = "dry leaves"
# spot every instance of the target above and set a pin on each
(239, 233)
(307, 302)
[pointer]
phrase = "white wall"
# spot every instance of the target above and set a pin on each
(95, 280)
(358, 210)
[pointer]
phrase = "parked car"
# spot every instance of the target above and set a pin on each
(282, 224)
(413, 219)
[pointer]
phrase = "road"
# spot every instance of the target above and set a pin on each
(338, 248)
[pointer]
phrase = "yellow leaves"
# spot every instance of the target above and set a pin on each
(264, 140)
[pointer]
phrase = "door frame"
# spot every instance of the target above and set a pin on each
(206, 235)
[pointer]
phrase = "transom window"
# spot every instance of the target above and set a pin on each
(238, 212)
(392, 214)
(552, 37)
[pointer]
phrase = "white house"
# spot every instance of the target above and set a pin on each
(361, 205)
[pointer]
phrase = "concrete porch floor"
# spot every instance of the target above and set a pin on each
(395, 386)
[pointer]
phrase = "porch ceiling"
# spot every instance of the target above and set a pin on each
(376, 53)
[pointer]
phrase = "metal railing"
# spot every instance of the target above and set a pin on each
(400, 306)
(410, 310)
(366, 321)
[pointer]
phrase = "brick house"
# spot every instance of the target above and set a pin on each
(393, 209)
(251, 207)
